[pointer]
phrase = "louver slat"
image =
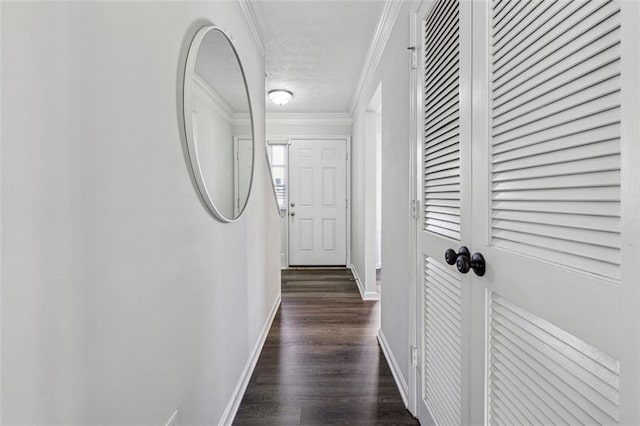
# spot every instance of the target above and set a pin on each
(541, 374)
(555, 133)
(441, 171)
(442, 351)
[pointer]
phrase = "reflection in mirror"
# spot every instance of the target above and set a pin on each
(216, 108)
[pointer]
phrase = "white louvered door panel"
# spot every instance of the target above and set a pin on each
(441, 153)
(555, 201)
(542, 374)
(555, 134)
(442, 354)
(445, 164)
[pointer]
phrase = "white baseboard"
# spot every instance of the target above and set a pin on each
(366, 295)
(236, 397)
(395, 368)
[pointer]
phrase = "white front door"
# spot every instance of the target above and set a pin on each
(317, 202)
(549, 332)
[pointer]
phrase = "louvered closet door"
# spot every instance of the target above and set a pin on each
(441, 375)
(555, 200)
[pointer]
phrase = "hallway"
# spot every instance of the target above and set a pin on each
(321, 363)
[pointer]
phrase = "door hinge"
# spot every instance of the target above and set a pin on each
(414, 356)
(415, 209)
(414, 57)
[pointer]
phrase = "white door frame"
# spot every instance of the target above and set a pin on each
(236, 176)
(347, 138)
(415, 132)
(283, 216)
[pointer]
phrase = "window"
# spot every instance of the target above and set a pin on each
(278, 160)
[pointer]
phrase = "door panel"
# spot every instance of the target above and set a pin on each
(442, 338)
(542, 374)
(442, 379)
(548, 216)
(549, 334)
(538, 170)
(317, 197)
(243, 169)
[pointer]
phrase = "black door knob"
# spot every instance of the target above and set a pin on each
(450, 255)
(476, 262)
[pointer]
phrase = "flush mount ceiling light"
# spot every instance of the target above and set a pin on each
(280, 96)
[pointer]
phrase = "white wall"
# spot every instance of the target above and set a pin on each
(213, 134)
(281, 125)
(122, 298)
(363, 213)
(393, 72)
(379, 187)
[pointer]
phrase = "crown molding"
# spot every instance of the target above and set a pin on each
(378, 42)
(255, 23)
(327, 119)
(223, 107)
(240, 119)
(298, 118)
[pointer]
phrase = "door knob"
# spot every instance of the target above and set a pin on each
(450, 255)
(292, 214)
(293, 204)
(476, 262)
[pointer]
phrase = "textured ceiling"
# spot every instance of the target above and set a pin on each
(218, 66)
(316, 49)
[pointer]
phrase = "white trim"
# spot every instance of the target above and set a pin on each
(223, 108)
(236, 397)
(273, 186)
(415, 144)
(295, 118)
(241, 119)
(284, 213)
(1, 283)
(290, 138)
(348, 206)
(236, 177)
(326, 119)
(394, 367)
(255, 24)
(365, 295)
(383, 31)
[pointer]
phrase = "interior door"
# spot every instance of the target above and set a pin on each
(317, 202)
(555, 201)
(445, 165)
(243, 169)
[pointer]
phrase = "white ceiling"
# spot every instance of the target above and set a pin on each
(218, 66)
(316, 49)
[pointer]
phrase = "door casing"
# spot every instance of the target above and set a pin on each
(289, 138)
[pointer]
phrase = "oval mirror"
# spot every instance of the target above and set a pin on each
(217, 108)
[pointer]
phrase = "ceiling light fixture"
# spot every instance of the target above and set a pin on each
(280, 96)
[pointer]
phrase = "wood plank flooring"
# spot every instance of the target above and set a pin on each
(321, 363)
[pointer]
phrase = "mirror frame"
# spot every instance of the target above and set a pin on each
(187, 102)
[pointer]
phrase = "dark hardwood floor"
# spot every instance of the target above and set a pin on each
(321, 363)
